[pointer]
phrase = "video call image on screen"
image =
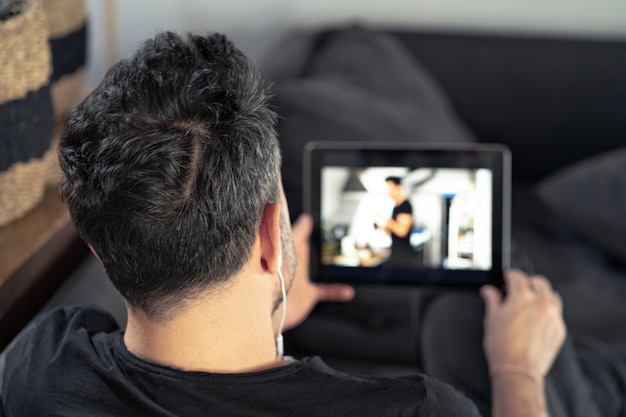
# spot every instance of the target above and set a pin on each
(420, 218)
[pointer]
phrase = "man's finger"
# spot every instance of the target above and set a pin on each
(558, 301)
(516, 281)
(541, 285)
(302, 227)
(335, 292)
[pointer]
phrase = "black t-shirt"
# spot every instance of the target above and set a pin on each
(74, 362)
(402, 254)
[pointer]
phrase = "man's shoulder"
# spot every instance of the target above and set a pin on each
(405, 207)
(416, 394)
(444, 400)
(51, 349)
(58, 325)
(58, 329)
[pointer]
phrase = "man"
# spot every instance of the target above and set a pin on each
(399, 227)
(172, 178)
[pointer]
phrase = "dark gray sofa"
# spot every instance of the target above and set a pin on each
(557, 103)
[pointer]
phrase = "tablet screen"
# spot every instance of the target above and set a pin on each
(409, 214)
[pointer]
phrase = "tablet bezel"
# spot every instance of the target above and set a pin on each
(452, 155)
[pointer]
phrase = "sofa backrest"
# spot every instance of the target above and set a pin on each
(553, 101)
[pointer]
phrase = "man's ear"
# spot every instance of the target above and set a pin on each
(94, 252)
(269, 234)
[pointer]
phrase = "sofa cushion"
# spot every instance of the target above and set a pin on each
(360, 85)
(590, 196)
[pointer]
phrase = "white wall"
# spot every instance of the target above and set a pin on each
(569, 16)
(255, 25)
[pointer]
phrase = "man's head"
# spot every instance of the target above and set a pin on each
(169, 165)
(395, 190)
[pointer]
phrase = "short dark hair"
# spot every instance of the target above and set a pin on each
(169, 165)
(395, 180)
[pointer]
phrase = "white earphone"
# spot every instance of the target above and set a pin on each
(279, 337)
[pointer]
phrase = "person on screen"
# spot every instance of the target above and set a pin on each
(399, 227)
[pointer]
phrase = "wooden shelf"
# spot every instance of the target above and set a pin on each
(21, 238)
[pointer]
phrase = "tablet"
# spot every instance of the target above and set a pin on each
(408, 213)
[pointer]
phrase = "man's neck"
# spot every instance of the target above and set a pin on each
(223, 334)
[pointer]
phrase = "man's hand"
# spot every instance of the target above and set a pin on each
(304, 295)
(526, 328)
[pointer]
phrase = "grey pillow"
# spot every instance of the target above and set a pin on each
(289, 56)
(361, 86)
(591, 197)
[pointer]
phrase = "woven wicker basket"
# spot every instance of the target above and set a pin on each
(26, 115)
(67, 26)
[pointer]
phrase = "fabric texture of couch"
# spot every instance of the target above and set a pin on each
(556, 103)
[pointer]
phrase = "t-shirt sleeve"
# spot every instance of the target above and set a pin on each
(38, 351)
(405, 208)
(444, 401)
